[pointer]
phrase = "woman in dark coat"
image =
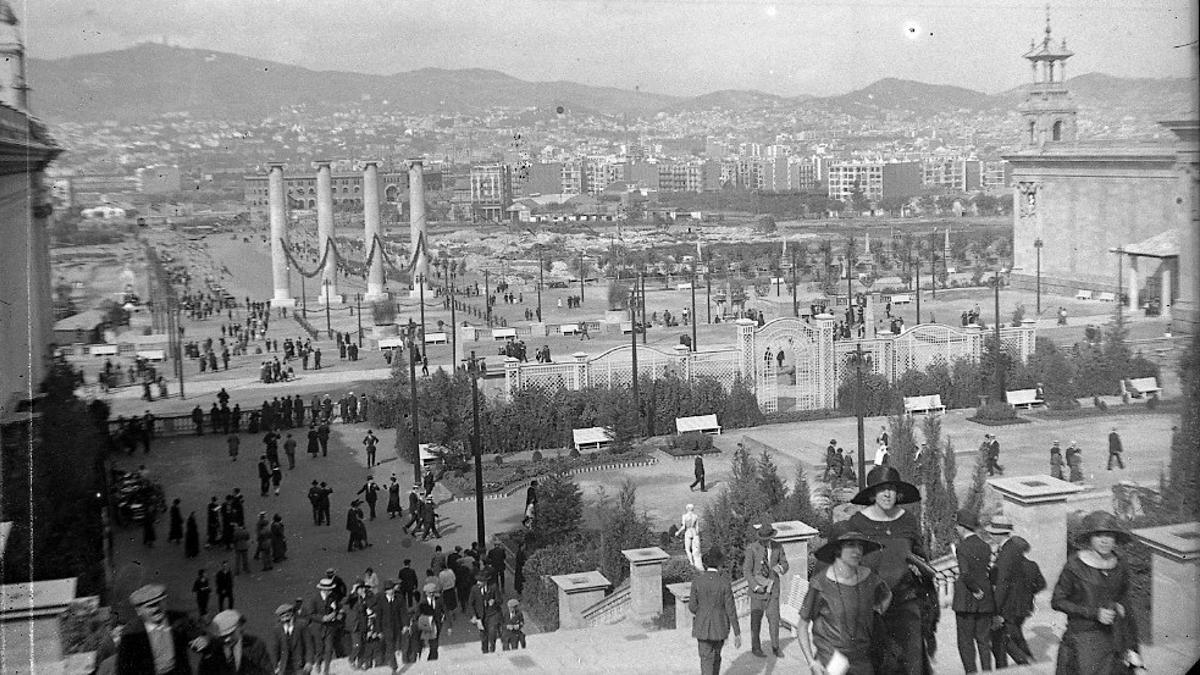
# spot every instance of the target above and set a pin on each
(278, 539)
(909, 623)
(175, 529)
(191, 540)
(1093, 591)
(148, 534)
(314, 442)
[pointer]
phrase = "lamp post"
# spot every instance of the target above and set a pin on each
(933, 263)
(328, 323)
(303, 299)
(541, 269)
(795, 285)
(857, 357)
(421, 298)
(473, 367)
(581, 276)
(487, 297)
(708, 296)
(453, 318)
(999, 350)
(695, 319)
(917, 276)
(1037, 247)
(637, 405)
(358, 303)
(414, 420)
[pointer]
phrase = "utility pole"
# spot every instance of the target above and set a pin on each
(1037, 247)
(303, 299)
(933, 263)
(708, 296)
(413, 414)
(641, 282)
(453, 318)
(581, 275)
(473, 368)
(999, 349)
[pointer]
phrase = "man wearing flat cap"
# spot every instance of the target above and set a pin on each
(157, 641)
(973, 603)
(291, 644)
(762, 566)
(232, 651)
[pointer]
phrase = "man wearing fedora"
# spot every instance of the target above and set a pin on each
(485, 610)
(973, 604)
(325, 615)
(392, 614)
(711, 603)
(157, 642)
(291, 643)
(1013, 589)
(762, 566)
(233, 651)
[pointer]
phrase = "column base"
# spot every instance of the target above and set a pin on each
(284, 302)
(415, 293)
(331, 299)
(376, 296)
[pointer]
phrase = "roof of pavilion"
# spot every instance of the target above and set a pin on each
(1162, 245)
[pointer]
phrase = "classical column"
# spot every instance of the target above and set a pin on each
(371, 234)
(416, 222)
(329, 274)
(282, 296)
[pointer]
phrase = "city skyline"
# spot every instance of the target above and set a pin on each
(709, 45)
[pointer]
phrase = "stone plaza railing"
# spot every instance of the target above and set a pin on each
(612, 609)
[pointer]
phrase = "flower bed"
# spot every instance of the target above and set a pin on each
(501, 479)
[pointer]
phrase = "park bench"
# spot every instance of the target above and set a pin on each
(391, 343)
(687, 286)
(151, 354)
(569, 329)
(436, 338)
(789, 611)
(591, 438)
(1140, 386)
(1083, 295)
(1023, 397)
(1107, 297)
(923, 404)
(504, 333)
(103, 350)
(902, 299)
(705, 424)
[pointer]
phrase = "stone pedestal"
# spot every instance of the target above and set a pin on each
(1174, 580)
(1037, 507)
(645, 581)
(284, 302)
(682, 591)
(384, 331)
(794, 536)
(577, 592)
(537, 329)
(333, 298)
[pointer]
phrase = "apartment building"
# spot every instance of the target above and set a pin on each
(877, 180)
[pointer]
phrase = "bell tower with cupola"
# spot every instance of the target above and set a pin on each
(1049, 111)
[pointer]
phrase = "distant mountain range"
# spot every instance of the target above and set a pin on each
(148, 80)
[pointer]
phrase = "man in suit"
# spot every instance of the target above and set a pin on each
(392, 614)
(157, 642)
(291, 644)
(711, 603)
(973, 604)
(763, 565)
(1115, 449)
(233, 651)
(1011, 595)
(324, 614)
(431, 594)
(485, 610)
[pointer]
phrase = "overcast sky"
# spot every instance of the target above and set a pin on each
(684, 47)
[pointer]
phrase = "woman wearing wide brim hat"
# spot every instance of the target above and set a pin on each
(1093, 591)
(898, 562)
(842, 602)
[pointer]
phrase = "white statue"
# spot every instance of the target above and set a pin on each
(690, 531)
